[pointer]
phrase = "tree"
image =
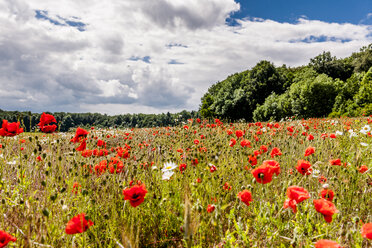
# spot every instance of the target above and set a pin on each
(362, 61)
(335, 68)
(275, 107)
(364, 96)
(313, 95)
(67, 123)
(346, 94)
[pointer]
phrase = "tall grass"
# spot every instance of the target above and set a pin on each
(37, 198)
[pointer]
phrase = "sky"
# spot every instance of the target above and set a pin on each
(157, 56)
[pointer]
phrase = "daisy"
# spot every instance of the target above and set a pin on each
(365, 129)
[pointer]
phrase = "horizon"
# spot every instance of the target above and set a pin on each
(158, 57)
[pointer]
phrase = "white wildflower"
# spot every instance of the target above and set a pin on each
(169, 166)
(168, 170)
(12, 162)
(339, 133)
(365, 129)
(167, 175)
(316, 173)
(352, 133)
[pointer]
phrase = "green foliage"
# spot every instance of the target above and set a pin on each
(344, 101)
(335, 68)
(65, 121)
(275, 107)
(238, 96)
(326, 84)
(362, 61)
(364, 95)
(313, 96)
(205, 108)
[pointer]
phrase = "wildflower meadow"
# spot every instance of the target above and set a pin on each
(293, 183)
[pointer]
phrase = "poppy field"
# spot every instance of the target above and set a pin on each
(294, 183)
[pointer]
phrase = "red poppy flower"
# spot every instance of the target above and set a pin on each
(213, 168)
(86, 153)
(227, 186)
(367, 231)
(326, 208)
(101, 143)
(116, 165)
(298, 194)
(48, 128)
(196, 141)
(295, 195)
(239, 133)
(10, 129)
(327, 194)
(210, 208)
(310, 150)
(252, 160)
(304, 167)
(82, 146)
(194, 161)
(324, 135)
(245, 196)
(101, 167)
(5, 238)
(79, 134)
(263, 173)
(275, 167)
(78, 224)
(335, 161)
(45, 121)
(182, 167)
(245, 143)
(232, 142)
(263, 148)
(325, 243)
(310, 137)
(322, 179)
(76, 187)
(135, 194)
(363, 168)
(122, 152)
(332, 135)
(275, 152)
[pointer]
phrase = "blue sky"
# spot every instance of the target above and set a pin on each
(154, 56)
(340, 11)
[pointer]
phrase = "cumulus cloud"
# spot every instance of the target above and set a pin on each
(144, 56)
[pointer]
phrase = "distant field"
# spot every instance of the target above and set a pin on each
(197, 185)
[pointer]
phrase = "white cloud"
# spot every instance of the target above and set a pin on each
(49, 67)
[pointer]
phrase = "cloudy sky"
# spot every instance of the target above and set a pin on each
(154, 56)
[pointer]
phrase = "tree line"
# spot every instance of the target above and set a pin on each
(327, 86)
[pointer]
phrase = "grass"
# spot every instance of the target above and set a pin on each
(37, 198)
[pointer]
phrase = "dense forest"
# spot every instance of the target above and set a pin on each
(66, 121)
(327, 86)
